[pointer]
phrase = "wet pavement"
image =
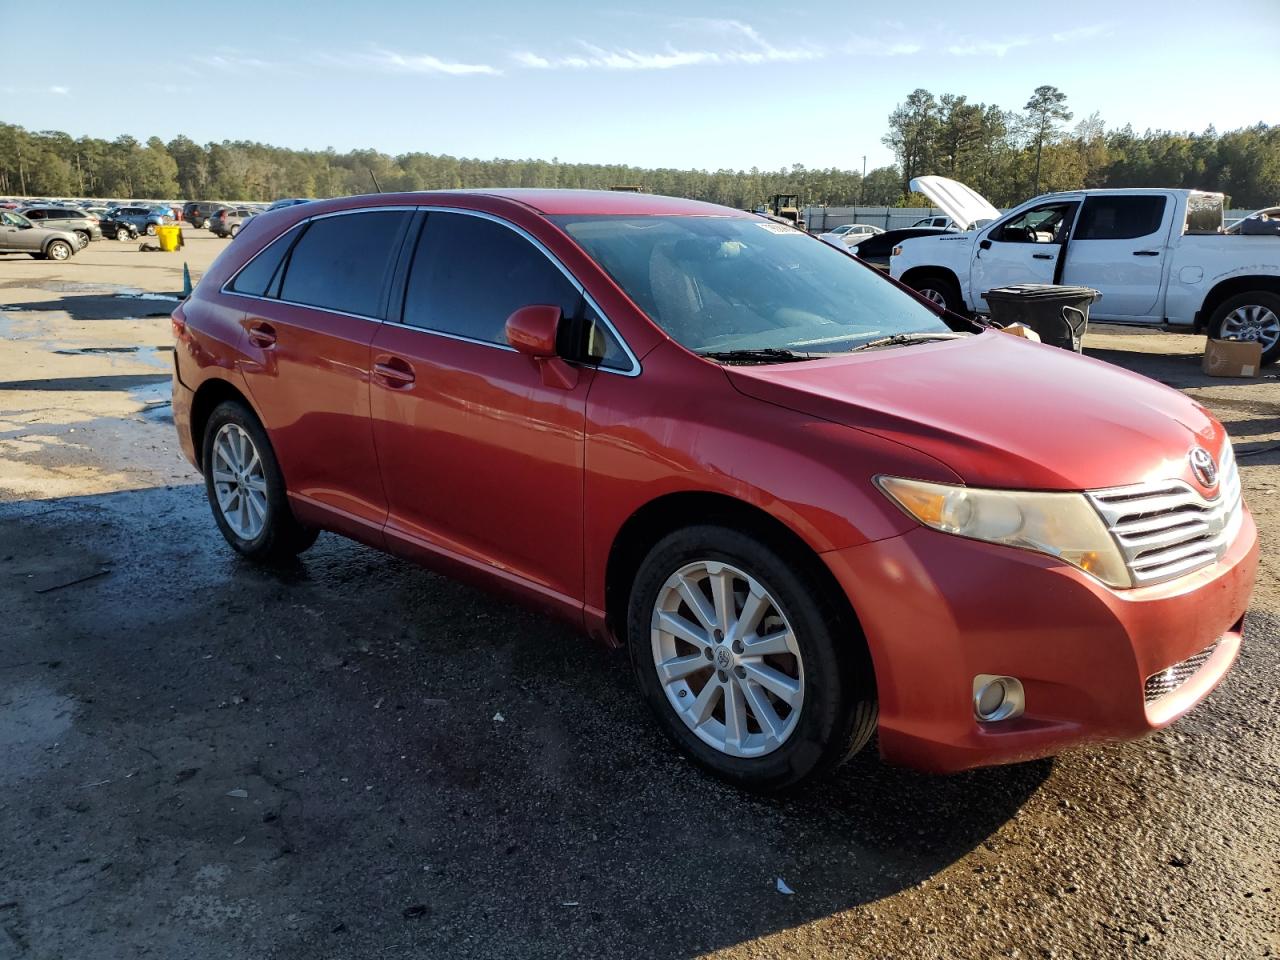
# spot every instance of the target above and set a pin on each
(351, 757)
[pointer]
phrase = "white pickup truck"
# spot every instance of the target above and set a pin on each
(1159, 257)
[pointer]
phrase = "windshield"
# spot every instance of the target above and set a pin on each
(720, 284)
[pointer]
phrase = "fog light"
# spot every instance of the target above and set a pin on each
(997, 698)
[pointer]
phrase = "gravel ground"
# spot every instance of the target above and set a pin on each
(356, 758)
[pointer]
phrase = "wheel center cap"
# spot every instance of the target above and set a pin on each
(724, 658)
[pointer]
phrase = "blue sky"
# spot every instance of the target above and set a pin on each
(655, 84)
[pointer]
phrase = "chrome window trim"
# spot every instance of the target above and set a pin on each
(633, 371)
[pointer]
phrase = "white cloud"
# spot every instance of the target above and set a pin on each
(396, 62)
(231, 63)
(745, 46)
(987, 48)
(866, 46)
(61, 91)
(1079, 33)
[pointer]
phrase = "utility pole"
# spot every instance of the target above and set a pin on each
(862, 182)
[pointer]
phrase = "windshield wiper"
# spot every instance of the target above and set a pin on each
(758, 355)
(902, 338)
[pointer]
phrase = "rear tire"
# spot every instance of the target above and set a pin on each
(151, 229)
(83, 238)
(1254, 315)
(246, 490)
(825, 663)
(235, 229)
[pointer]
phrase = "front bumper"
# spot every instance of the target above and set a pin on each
(937, 610)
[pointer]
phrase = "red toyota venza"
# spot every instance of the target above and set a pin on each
(811, 506)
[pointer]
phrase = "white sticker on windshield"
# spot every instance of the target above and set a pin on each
(780, 228)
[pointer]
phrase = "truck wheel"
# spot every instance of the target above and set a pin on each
(940, 289)
(747, 664)
(1250, 316)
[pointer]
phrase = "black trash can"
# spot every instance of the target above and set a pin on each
(1058, 314)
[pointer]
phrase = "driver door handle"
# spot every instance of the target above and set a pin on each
(1146, 253)
(1042, 256)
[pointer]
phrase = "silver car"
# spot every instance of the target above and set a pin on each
(20, 235)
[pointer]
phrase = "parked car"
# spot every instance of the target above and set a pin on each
(875, 250)
(146, 219)
(1157, 256)
(83, 224)
(1260, 223)
(849, 233)
(20, 235)
(703, 435)
(228, 221)
(199, 212)
(942, 223)
(114, 229)
(288, 202)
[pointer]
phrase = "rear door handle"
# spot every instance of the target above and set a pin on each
(261, 333)
(393, 371)
(1146, 253)
(1042, 256)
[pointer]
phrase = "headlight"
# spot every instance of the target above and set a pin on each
(1062, 525)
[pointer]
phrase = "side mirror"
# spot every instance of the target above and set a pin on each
(532, 330)
(985, 244)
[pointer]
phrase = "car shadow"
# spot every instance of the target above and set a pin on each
(104, 306)
(410, 748)
(112, 381)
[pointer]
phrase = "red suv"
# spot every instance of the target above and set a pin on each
(810, 504)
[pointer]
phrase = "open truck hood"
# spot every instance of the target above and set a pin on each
(962, 204)
(1001, 411)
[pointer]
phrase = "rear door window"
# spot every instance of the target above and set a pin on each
(343, 262)
(1120, 217)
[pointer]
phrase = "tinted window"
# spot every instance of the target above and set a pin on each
(1120, 218)
(470, 274)
(343, 262)
(256, 277)
(34, 214)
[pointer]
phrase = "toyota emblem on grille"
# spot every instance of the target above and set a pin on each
(1203, 467)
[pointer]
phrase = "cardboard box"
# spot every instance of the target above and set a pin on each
(1232, 358)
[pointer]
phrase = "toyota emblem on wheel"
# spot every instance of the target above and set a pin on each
(1203, 467)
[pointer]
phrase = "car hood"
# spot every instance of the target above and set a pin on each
(961, 203)
(1001, 411)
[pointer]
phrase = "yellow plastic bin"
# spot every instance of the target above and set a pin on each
(170, 236)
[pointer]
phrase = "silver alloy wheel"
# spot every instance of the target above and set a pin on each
(82, 240)
(239, 482)
(933, 296)
(59, 250)
(151, 229)
(1252, 321)
(727, 659)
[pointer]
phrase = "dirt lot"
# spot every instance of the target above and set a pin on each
(355, 758)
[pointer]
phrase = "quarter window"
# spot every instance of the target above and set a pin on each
(257, 277)
(343, 262)
(1120, 217)
(470, 274)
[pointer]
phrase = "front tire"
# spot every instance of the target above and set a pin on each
(58, 250)
(151, 229)
(940, 289)
(246, 489)
(1250, 316)
(748, 664)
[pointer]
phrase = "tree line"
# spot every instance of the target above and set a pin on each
(1006, 155)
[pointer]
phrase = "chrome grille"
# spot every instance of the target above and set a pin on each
(1166, 529)
(1169, 680)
